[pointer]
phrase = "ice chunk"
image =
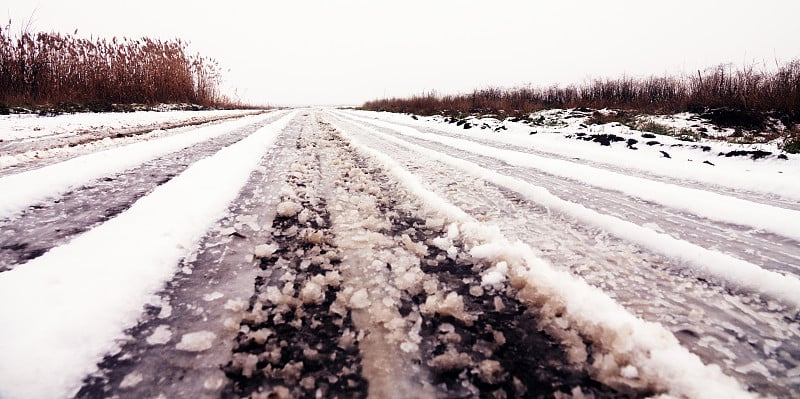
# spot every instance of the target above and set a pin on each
(450, 360)
(235, 305)
(214, 382)
(629, 371)
(260, 336)
(246, 362)
(495, 275)
(213, 296)
(489, 371)
(196, 341)
(288, 209)
(475, 290)
(166, 311)
(312, 293)
(131, 380)
(161, 335)
(409, 347)
(451, 305)
(360, 299)
(452, 231)
(265, 250)
(315, 237)
(434, 224)
(442, 243)
(333, 278)
(304, 216)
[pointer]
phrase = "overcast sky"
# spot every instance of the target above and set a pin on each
(297, 52)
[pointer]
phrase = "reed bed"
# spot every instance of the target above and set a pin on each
(55, 68)
(742, 89)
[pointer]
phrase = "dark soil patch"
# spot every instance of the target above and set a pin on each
(603, 139)
(736, 118)
(756, 154)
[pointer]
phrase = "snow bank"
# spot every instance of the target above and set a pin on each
(654, 352)
(64, 310)
(769, 176)
(711, 205)
(733, 270)
(31, 126)
(26, 188)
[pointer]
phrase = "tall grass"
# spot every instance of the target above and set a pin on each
(742, 89)
(53, 68)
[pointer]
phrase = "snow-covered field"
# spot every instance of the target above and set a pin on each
(330, 253)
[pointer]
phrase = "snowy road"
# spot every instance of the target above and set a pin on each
(324, 253)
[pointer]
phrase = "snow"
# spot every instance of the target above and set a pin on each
(32, 126)
(703, 203)
(77, 299)
(769, 176)
(734, 270)
(77, 136)
(26, 188)
(654, 351)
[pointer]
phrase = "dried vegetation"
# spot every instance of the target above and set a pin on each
(74, 73)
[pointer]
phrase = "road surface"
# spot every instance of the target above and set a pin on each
(361, 257)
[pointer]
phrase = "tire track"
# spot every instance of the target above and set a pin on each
(765, 249)
(424, 299)
(43, 226)
(293, 341)
(210, 294)
(759, 197)
(712, 322)
(46, 147)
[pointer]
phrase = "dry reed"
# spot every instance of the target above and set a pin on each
(54, 68)
(744, 89)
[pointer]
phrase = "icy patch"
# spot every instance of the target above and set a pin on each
(198, 341)
(213, 296)
(161, 335)
(131, 380)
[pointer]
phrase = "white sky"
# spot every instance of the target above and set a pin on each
(296, 52)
